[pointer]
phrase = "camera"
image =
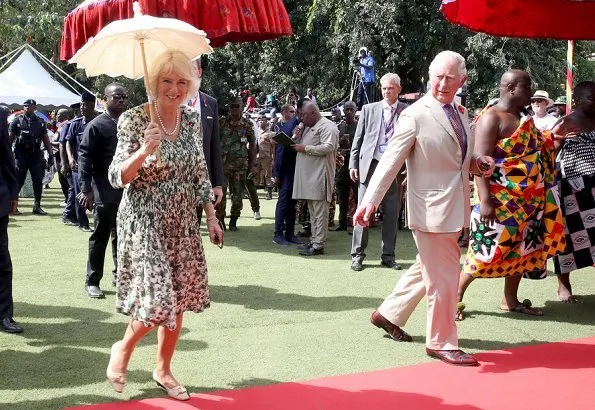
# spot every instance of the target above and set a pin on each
(355, 60)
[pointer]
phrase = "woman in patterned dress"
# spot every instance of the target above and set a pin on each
(161, 265)
(576, 182)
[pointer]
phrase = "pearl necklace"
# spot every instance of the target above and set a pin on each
(169, 134)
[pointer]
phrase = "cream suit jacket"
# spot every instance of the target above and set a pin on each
(437, 173)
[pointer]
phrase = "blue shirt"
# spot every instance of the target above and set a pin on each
(74, 135)
(368, 75)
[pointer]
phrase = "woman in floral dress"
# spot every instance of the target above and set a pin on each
(161, 265)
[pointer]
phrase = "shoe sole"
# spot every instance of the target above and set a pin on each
(281, 244)
(451, 363)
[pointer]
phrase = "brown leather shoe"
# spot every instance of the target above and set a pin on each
(456, 357)
(394, 331)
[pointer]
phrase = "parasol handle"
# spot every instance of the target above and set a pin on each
(152, 113)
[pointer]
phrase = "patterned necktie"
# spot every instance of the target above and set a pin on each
(457, 125)
(390, 125)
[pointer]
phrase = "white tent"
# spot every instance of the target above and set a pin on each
(26, 78)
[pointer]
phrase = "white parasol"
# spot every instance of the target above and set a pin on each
(125, 47)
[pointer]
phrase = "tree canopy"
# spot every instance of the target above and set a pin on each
(403, 37)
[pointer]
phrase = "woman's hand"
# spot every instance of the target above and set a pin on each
(215, 231)
(152, 139)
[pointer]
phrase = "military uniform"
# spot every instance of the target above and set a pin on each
(235, 137)
(265, 161)
(29, 133)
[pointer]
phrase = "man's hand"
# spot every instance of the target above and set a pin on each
(50, 161)
(354, 174)
(74, 166)
(363, 214)
(487, 212)
(277, 181)
(299, 147)
(86, 199)
(14, 205)
(64, 170)
(218, 191)
(485, 165)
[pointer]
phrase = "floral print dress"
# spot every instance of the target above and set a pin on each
(161, 265)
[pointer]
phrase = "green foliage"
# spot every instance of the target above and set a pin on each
(403, 37)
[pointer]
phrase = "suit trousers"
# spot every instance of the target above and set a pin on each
(434, 274)
(81, 213)
(6, 305)
(105, 225)
(69, 210)
(318, 222)
(391, 206)
(285, 209)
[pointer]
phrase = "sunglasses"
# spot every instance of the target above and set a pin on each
(119, 96)
(537, 101)
(235, 106)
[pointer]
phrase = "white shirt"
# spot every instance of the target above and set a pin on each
(384, 139)
(545, 123)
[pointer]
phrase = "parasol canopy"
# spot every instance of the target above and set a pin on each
(122, 47)
(222, 20)
(556, 19)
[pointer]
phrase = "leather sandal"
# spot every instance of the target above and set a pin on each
(117, 380)
(178, 392)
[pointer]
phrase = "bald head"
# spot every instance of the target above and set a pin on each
(584, 97)
(515, 88)
(310, 113)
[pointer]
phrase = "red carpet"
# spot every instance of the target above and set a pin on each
(548, 376)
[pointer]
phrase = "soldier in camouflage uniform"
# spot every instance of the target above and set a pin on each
(238, 149)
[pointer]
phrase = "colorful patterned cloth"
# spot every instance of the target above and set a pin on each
(577, 189)
(529, 227)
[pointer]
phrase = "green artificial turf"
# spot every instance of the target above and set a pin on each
(275, 316)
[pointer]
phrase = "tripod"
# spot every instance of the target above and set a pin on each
(356, 83)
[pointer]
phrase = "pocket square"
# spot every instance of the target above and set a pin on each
(209, 117)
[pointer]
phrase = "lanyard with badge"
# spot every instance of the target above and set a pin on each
(388, 129)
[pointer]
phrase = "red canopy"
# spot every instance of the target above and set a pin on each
(223, 20)
(557, 19)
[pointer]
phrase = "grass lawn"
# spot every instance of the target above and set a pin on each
(275, 316)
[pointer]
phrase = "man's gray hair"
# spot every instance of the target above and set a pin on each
(446, 56)
(391, 77)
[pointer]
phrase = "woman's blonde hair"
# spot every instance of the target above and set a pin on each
(177, 63)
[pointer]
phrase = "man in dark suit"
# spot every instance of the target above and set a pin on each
(96, 152)
(9, 192)
(208, 109)
(374, 130)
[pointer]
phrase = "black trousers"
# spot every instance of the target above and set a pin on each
(30, 161)
(6, 306)
(63, 185)
(105, 225)
(285, 210)
(344, 185)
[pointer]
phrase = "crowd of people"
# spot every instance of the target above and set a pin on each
(150, 173)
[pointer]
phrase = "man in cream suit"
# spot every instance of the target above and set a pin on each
(375, 129)
(433, 138)
(315, 173)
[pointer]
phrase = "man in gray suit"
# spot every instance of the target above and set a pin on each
(374, 131)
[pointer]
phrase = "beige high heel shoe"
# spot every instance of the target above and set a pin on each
(117, 380)
(178, 392)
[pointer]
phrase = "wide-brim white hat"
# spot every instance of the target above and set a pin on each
(543, 95)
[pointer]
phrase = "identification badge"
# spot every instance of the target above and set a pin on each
(243, 139)
(382, 148)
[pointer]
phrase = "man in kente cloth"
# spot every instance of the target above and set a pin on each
(516, 225)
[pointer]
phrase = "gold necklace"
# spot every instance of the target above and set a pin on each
(169, 134)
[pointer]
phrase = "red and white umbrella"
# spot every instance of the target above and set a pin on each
(223, 21)
(557, 19)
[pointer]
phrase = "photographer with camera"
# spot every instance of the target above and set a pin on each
(364, 63)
